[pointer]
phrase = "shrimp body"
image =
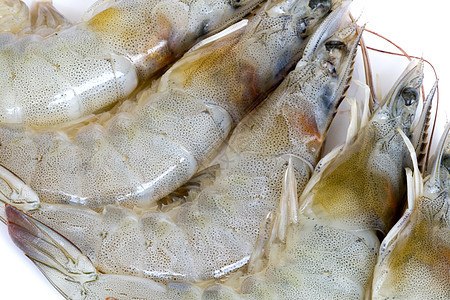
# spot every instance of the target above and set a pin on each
(143, 153)
(331, 251)
(57, 78)
(414, 261)
(215, 232)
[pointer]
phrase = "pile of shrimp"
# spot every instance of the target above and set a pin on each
(165, 169)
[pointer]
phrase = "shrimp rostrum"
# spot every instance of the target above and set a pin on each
(49, 79)
(215, 233)
(414, 260)
(148, 149)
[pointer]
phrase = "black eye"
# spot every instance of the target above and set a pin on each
(409, 95)
(236, 3)
(320, 3)
(330, 45)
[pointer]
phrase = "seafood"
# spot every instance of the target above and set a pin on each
(215, 232)
(13, 16)
(331, 251)
(353, 195)
(79, 70)
(20, 282)
(16, 19)
(414, 260)
(330, 246)
(142, 153)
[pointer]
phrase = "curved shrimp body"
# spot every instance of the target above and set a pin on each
(57, 78)
(414, 261)
(331, 251)
(142, 154)
(215, 232)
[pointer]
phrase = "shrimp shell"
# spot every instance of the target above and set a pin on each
(87, 67)
(414, 261)
(14, 287)
(142, 154)
(215, 233)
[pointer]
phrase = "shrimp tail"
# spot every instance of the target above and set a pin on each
(53, 254)
(74, 275)
(41, 18)
(414, 183)
(44, 15)
(288, 206)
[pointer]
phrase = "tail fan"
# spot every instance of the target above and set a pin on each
(59, 260)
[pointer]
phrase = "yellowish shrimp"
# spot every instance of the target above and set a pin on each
(81, 69)
(414, 260)
(215, 232)
(356, 190)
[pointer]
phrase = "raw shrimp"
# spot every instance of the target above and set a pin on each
(355, 193)
(215, 232)
(61, 77)
(140, 155)
(414, 260)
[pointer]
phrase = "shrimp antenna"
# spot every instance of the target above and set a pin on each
(367, 69)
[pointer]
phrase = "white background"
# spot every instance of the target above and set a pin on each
(417, 26)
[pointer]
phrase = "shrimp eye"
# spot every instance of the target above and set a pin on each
(330, 45)
(320, 3)
(236, 3)
(409, 95)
